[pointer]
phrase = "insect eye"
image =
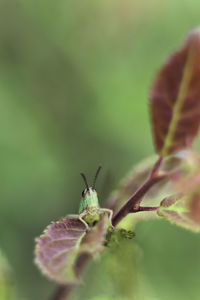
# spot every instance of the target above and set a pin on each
(83, 193)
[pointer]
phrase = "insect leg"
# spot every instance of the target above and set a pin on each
(80, 217)
(73, 216)
(109, 212)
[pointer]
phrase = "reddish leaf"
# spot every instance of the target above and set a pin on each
(64, 247)
(183, 209)
(186, 178)
(177, 210)
(57, 248)
(174, 99)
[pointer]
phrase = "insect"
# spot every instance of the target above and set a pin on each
(89, 210)
(59, 247)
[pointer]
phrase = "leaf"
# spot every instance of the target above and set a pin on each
(183, 208)
(185, 177)
(7, 284)
(64, 247)
(177, 211)
(57, 248)
(174, 98)
(93, 241)
(122, 264)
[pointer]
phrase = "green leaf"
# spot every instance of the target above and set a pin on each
(121, 263)
(65, 245)
(177, 210)
(7, 287)
(174, 98)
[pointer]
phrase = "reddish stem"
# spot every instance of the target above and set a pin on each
(61, 293)
(147, 208)
(133, 204)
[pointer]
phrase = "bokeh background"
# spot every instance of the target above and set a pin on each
(74, 82)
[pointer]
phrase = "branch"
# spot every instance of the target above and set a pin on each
(147, 208)
(61, 292)
(133, 204)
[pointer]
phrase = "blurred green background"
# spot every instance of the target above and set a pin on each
(74, 82)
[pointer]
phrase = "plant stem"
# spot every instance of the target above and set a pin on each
(133, 204)
(61, 292)
(147, 208)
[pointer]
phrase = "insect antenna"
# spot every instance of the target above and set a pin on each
(85, 180)
(95, 177)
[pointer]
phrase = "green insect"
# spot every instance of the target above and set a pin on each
(89, 210)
